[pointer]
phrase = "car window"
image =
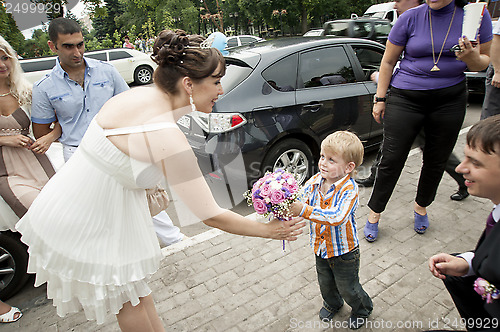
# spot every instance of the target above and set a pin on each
(232, 42)
(369, 59)
(337, 29)
(117, 55)
(282, 75)
(247, 40)
(362, 29)
(236, 72)
(390, 16)
(382, 29)
(98, 56)
(38, 65)
(326, 66)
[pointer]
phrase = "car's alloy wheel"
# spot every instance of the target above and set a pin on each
(13, 264)
(143, 75)
(293, 156)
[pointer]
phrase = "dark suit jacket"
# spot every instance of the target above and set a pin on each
(486, 264)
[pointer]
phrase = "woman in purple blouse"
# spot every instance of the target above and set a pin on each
(428, 91)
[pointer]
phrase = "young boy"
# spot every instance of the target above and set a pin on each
(329, 201)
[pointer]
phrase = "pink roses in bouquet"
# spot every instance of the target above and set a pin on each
(273, 194)
(487, 291)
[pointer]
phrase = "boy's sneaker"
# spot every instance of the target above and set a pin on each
(356, 322)
(326, 315)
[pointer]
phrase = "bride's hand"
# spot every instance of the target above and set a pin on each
(286, 230)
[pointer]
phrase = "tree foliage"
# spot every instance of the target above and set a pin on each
(10, 31)
(113, 19)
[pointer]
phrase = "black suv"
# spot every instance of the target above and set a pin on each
(367, 28)
(281, 99)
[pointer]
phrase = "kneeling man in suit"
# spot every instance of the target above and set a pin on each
(481, 170)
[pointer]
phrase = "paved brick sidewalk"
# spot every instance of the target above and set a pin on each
(231, 283)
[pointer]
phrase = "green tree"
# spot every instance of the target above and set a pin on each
(10, 31)
(37, 45)
(106, 21)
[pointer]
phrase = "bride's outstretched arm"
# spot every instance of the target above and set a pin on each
(172, 153)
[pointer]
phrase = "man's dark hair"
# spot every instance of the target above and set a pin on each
(485, 135)
(63, 26)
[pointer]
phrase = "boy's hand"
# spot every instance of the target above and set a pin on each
(296, 207)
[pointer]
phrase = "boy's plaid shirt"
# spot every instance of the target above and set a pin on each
(333, 227)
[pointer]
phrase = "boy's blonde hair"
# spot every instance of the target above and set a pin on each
(345, 144)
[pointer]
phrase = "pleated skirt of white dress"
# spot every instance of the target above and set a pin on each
(91, 238)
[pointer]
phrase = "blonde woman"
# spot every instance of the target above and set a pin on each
(24, 168)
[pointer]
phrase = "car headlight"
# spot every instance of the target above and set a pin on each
(215, 123)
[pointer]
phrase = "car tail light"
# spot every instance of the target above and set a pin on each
(219, 122)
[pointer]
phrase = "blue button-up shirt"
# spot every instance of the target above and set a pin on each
(75, 107)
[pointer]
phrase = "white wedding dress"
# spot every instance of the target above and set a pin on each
(89, 231)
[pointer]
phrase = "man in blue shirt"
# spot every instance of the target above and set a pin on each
(76, 89)
(73, 93)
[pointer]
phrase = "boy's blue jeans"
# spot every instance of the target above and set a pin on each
(338, 281)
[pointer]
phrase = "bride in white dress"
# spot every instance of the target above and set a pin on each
(89, 231)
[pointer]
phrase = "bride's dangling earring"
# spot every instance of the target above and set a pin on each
(193, 106)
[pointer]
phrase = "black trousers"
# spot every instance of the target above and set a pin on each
(440, 114)
(451, 164)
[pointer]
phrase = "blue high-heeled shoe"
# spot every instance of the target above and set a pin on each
(421, 223)
(371, 231)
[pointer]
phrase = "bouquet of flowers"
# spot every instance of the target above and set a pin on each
(272, 195)
(487, 291)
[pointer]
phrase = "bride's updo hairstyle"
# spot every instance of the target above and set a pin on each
(179, 55)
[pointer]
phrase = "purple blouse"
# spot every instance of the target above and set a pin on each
(412, 31)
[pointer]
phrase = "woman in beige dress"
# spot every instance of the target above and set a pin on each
(24, 167)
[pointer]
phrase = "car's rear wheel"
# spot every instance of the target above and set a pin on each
(291, 155)
(13, 264)
(143, 75)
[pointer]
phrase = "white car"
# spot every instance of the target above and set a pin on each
(234, 41)
(314, 33)
(133, 66)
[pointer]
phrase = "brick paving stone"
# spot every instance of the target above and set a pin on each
(230, 319)
(262, 302)
(215, 250)
(399, 315)
(229, 264)
(178, 313)
(369, 272)
(168, 291)
(221, 280)
(238, 299)
(431, 312)
(267, 284)
(422, 294)
(216, 296)
(392, 274)
(373, 287)
(201, 317)
(388, 259)
(249, 267)
(310, 290)
(291, 286)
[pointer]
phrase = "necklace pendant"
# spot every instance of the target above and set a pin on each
(435, 68)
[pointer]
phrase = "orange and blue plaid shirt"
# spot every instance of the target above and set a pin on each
(333, 227)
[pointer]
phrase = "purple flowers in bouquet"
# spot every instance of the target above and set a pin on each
(273, 194)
